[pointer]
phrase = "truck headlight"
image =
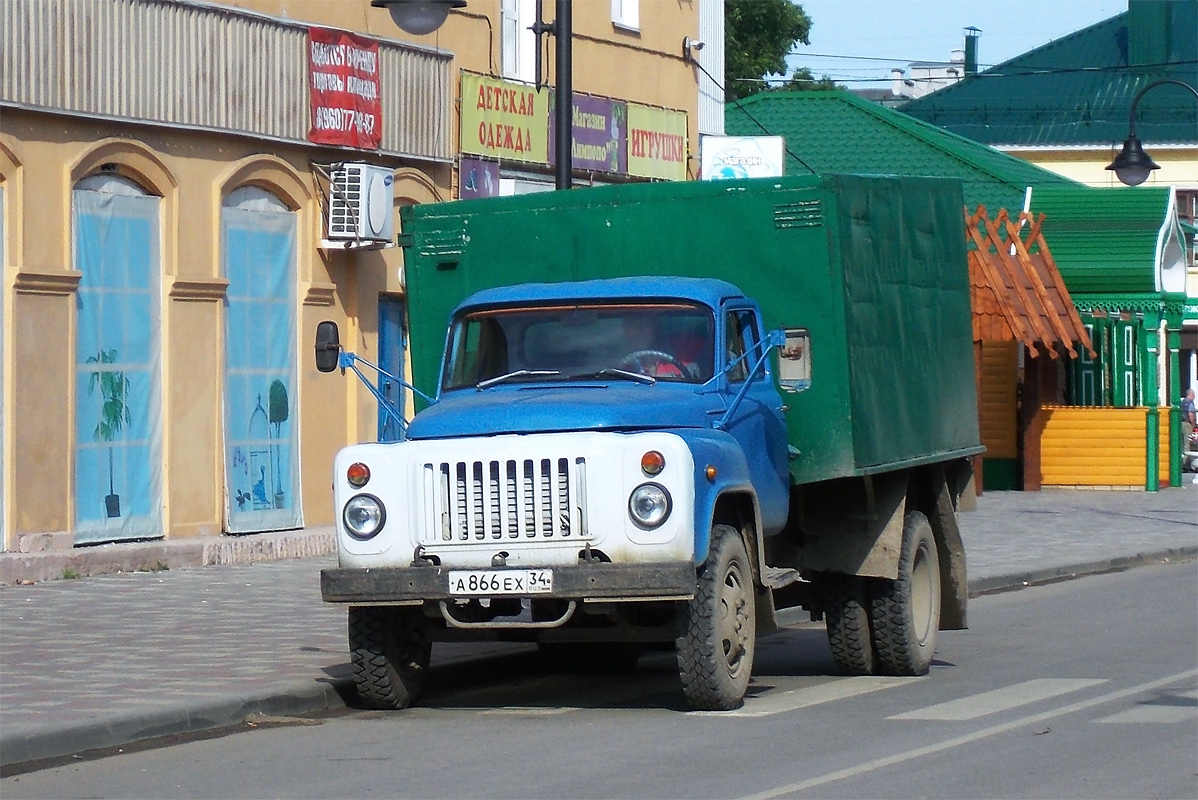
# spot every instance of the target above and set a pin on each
(364, 516)
(649, 505)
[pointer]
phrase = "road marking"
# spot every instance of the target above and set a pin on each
(529, 711)
(1169, 711)
(825, 691)
(957, 741)
(979, 705)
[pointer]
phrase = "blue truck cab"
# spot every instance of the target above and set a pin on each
(564, 484)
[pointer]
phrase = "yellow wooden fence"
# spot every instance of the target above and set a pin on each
(1090, 446)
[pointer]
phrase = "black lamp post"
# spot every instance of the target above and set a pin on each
(420, 17)
(1133, 166)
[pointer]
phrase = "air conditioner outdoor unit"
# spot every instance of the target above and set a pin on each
(361, 197)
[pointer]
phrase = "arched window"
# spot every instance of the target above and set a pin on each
(118, 409)
(258, 246)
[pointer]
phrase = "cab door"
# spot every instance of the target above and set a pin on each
(756, 423)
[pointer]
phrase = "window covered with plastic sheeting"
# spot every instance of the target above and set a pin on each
(118, 407)
(258, 242)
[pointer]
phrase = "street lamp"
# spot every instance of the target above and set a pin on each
(1133, 166)
(419, 17)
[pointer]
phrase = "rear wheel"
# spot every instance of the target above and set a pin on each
(719, 627)
(905, 613)
(846, 616)
(389, 658)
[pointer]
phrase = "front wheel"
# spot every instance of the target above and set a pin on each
(390, 659)
(905, 613)
(719, 627)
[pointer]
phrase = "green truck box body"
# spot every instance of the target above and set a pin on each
(874, 267)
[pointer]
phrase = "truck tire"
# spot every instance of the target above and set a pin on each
(390, 662)
(719, 627)
(846, 616)
(905, 613)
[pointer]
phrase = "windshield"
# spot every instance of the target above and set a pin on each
(663, 341)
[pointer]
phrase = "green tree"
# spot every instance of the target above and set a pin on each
(758, 34)
(801, 80)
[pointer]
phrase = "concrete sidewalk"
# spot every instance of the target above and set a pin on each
(105, 661)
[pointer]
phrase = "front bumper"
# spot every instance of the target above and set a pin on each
(606, 581)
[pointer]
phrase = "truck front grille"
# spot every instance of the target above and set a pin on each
(509, 499)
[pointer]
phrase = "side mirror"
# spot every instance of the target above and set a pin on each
(328, 346)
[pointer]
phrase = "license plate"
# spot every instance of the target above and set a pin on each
(489, 582)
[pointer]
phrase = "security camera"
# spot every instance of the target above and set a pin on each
(691, 46)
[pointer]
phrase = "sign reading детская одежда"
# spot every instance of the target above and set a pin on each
(343, 80)
(504, 119)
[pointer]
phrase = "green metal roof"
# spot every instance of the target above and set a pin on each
(1104, 240)
(836, 132)
(1078, 90)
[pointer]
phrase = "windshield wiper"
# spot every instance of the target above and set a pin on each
(520, 373)
(619, 373)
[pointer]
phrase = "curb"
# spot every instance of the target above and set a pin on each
(1038, 577)
(326, 694)
(154, 556)
(289, 700)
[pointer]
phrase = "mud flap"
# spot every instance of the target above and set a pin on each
(954, 586)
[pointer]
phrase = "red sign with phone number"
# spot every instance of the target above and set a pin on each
(343, 80)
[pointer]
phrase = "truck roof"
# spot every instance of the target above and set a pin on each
(709, 291)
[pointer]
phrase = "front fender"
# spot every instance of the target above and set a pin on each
(713, 448)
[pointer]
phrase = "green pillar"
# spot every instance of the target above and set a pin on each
(1175, 442)
(1150, 396)
(1153, 468)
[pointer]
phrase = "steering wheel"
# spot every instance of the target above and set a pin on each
(656, 356)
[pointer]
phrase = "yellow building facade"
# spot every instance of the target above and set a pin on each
(166, 191)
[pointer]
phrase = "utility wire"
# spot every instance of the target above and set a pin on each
(1020, 72)
(756, 121)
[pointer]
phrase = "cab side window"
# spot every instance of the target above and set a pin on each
(741, 331)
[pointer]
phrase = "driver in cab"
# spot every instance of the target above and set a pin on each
(646, 355)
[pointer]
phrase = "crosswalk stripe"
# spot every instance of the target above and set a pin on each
(968, 738)
(1160, 713)
(996, 700)
(824, 691)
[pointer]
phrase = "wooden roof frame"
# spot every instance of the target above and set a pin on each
(1016, 292)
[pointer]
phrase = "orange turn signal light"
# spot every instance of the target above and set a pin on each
(710, 472)
(652, 463)
(357, 474)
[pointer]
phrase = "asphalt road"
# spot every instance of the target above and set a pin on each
(1083, 689)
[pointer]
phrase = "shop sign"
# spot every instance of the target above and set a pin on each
(1189, 311)
(733, 157)
(343, 82)
(599, 134)
(504, 119)
(656, 142)
(478, 178)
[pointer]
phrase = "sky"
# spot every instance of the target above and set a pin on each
(898, 32)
